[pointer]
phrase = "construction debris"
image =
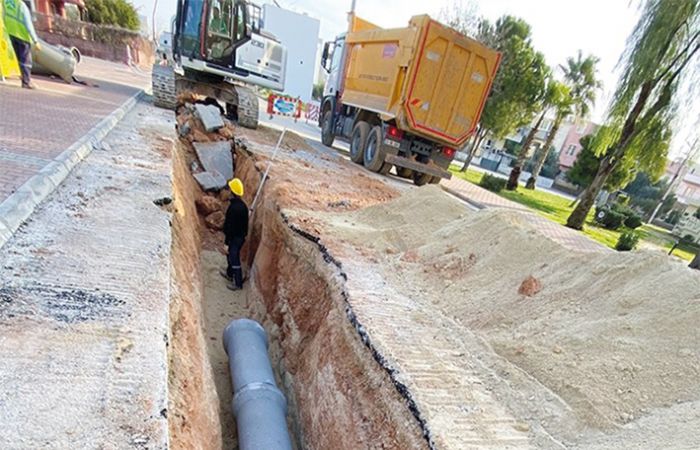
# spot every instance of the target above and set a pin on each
(215, 220)
(210, 180)
(210, 116)
(215, 157)
(208, 204)
(530, 286)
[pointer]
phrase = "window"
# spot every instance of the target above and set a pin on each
(571, 149)
(239, 18)
(337, 54)
(254, 17)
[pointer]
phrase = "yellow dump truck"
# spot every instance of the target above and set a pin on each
(405, 97)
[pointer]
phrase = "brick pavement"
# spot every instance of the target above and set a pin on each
(483, 198)
(84, 298)
(36, 126)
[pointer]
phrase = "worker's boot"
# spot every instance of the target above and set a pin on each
(232, 286)
(29, 85)
(224, 273)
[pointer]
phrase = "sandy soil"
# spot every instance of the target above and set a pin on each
(220, 306)
(613, 336)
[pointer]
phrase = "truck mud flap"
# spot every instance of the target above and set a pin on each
(417, 167)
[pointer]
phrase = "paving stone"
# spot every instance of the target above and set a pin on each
(37, 126)
(210, 116)
(215, 157)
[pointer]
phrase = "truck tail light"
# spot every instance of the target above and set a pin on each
(394, 133)
(449, 152)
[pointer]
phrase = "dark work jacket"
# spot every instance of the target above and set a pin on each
(236, 223)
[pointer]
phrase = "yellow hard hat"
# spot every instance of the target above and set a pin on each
(236, 186)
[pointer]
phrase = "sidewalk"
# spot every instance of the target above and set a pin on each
(483, 198)
(84, 294)
(37, 127)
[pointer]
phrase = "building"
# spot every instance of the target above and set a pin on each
(144, 29)
(571, 146)
(68, 9)
(299, 34)
(687, 200)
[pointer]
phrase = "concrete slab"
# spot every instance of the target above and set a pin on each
(210, 116)
(216, 157)
(210, 180)
(84, 295)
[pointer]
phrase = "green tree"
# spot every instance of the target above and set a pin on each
(120, 13)
(519, 83)
(546, 101)
(587, 164)
(645, 193)
(660, 49)
(579, 96)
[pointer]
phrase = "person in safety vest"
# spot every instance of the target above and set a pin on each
(18, 23)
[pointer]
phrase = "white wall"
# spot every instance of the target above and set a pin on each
(299, 34)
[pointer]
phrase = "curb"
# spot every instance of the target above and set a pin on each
(464, 198)
(17, 208)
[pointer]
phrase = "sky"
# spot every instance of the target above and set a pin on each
(559, 27)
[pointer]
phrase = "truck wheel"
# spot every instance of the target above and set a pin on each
(327, 136)
(374, 151)
(404, 172)
(358, 141)
(419, 179)
(435, 180)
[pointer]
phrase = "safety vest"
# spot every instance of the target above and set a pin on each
(17, 16)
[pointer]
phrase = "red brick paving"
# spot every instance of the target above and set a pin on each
(567, 237)
(36, 126)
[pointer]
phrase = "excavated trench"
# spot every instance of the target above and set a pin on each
(340, 395)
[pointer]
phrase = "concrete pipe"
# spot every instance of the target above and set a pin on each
(54, 60)
(258, 405)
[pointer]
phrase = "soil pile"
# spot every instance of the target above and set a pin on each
(613, 335)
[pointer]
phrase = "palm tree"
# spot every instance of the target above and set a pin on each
(662, 49)
(575, 96)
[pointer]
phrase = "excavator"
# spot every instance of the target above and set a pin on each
(220, 51)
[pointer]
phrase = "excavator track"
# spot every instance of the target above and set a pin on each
(240, 100)
(247, 107)
(163, 86)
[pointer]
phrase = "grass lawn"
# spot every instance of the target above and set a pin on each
(558, 208)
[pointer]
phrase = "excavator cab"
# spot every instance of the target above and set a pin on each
(219, 50)
(223, 38)
(210, 30)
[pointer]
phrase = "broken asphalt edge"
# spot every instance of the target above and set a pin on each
(20, 205)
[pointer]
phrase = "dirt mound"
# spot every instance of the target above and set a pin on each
(613, 335)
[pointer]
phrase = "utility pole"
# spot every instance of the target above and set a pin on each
(153, 23)
(689, 157)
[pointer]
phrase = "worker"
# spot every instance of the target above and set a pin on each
(235, 232)
(217, 24)
(18, 23)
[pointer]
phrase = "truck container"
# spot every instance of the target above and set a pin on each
(405, 97)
